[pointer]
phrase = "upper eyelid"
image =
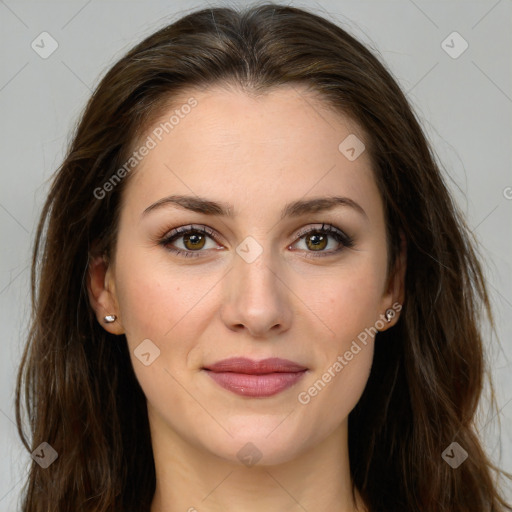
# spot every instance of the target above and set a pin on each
(212, 233)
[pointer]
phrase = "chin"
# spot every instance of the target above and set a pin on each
(264, 442)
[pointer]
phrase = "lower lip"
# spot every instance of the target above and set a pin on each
(255, 385)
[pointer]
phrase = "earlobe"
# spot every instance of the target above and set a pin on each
(102, 295)
(389, 314)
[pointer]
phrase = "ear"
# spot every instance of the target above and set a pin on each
(102, 294)
(394, 294)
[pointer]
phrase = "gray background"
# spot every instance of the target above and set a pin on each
(464, 103)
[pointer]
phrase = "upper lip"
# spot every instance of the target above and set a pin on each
(250, 366)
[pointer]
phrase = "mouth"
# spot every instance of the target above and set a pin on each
(256, 379)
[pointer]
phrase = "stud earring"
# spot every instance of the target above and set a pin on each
(109, 319)
(389, 314)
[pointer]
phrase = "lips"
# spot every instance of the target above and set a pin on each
(250, 378)
(251, 367)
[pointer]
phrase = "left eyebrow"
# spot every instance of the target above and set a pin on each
(293, 209)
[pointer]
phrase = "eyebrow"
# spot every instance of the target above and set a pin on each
(293, 209)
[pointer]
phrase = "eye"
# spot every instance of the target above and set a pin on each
(317, 239)
(193, 240)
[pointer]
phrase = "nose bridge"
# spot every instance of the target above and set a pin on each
(256, 296)
(255, 264)
(255, 268)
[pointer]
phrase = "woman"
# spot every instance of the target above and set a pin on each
(252, 290)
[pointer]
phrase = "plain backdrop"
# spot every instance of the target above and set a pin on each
(464, 101)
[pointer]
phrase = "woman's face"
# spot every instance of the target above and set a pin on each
(255, 285)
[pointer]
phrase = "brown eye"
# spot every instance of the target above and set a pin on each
(190, 241)
(195, 240)
(317, 241)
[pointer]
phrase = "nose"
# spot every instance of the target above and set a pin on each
(256, 296)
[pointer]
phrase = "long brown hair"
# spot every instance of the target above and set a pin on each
(76, 380)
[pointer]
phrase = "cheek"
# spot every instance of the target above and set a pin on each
(333, 392)
(348, 301)
(168, 306)
(349, 307)
(154, 308)
(343, 358)
(145, 304)
(153, 296)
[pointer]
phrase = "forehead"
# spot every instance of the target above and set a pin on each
(284, 142)
(284, 117)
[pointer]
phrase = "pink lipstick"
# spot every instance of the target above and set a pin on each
(256, 379)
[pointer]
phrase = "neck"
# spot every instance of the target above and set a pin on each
(191, 479)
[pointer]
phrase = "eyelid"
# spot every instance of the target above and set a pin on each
(183, 230)
(325, 228)
(345, 240)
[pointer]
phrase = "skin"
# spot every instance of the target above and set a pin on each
(256, 154)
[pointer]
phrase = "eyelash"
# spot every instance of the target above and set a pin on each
(343, 239)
